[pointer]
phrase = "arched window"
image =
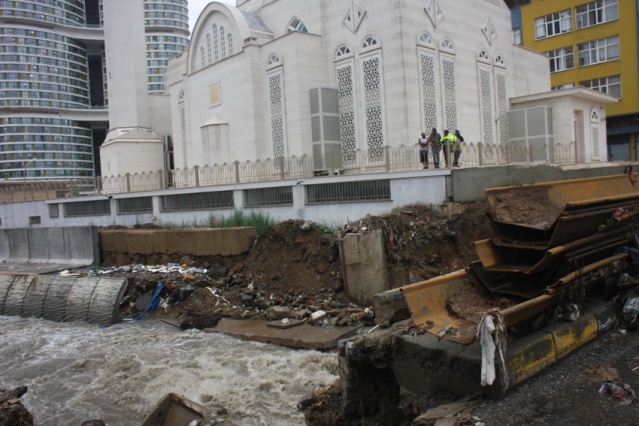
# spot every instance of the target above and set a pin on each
(230, 39)
(370, 42)
(594, 116)
(274, 60)
(208, 47)
(296, 24)
(447, 45)
(483, 56)
(500, 61)
(215, 45)
(426, 40)
(222, 44)
(202, 56)
(343, 51)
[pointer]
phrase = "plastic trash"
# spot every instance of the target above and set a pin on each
(619, 390)
(631, 306)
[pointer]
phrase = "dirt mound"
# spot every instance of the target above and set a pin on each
(289, 259)
(422, 244)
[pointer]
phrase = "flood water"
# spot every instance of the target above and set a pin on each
(76, 372)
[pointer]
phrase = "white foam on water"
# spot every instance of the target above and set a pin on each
(77, 372)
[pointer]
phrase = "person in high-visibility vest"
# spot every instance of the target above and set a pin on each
(448, 141)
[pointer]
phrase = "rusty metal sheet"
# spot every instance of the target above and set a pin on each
(427, 302)
(528, 309)
(550, 200)
(520, 258)
(518, 285)
(567, 229)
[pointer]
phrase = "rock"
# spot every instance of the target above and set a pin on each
(275, 313)
(200, 321)
(143, 301)
(247, 298)
(261, 303)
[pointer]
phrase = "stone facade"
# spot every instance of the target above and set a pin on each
(393, 68)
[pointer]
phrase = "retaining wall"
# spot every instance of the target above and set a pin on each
(197, 242)
(67, 245)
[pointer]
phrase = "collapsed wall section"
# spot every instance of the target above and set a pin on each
(62, 299)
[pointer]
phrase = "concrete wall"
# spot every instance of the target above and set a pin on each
(69, 245)
(407, 188)
(204, 242)
(431, 188)
(469, 184)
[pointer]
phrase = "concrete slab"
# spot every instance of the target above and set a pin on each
(31, 268)
(304, 336)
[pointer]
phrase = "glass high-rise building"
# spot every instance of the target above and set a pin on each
(53, 96)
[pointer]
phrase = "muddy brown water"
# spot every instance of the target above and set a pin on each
(77, 372)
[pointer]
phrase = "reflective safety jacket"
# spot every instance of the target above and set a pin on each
(449, 139)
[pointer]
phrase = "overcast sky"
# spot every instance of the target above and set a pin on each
(197, 6)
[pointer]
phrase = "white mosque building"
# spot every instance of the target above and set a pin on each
(280, 78)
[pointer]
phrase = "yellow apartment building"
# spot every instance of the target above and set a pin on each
(591, 44)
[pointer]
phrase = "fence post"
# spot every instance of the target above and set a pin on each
(196, 171)
(331, 163)
(98, 184)
(530, 153)
(481, 153)
(161, 179)
(128, 182)
(236, 168)
(387, 157)
(280, 161)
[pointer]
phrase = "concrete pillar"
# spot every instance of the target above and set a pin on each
(363, 262)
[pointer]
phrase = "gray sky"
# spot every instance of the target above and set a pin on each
(197, 6)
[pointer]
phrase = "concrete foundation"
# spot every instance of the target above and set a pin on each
(363, 262)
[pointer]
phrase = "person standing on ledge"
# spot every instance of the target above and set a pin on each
(448, 141)
(435, 144)
(423, 142)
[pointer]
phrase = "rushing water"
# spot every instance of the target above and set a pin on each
(77, 372)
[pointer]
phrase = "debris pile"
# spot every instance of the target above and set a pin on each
(295, 266)
(12, 412)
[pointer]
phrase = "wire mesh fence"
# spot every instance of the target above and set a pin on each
(378, 160)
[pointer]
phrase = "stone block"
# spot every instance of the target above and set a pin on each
(363, 262)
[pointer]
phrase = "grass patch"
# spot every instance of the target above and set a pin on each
(260, 220)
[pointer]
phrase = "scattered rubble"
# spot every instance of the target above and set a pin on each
(12, 412)
(295, 267)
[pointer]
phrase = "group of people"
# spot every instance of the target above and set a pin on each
(436, 143)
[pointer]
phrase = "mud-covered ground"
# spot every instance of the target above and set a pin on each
(565, 394)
